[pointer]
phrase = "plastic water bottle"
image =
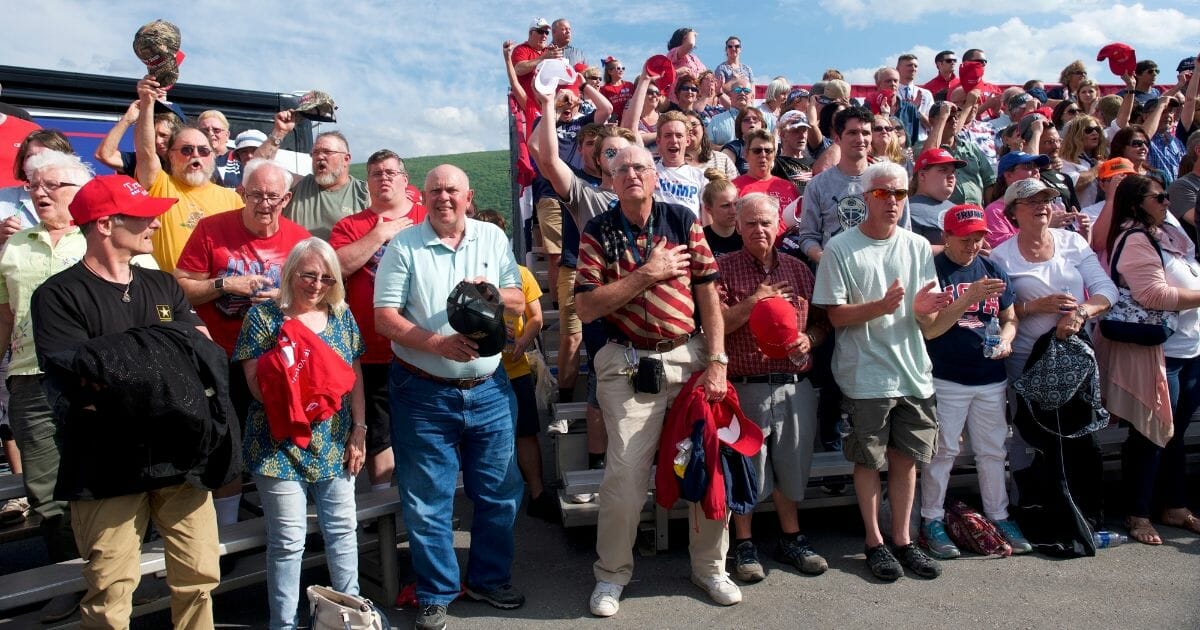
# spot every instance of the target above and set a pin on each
(1105, 539)
(991, 339)
(843, 425)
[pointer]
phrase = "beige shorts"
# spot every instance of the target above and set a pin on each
(906, 424)
(549, 214)
(568, 321)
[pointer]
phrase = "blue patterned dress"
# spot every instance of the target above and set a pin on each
(283, 459)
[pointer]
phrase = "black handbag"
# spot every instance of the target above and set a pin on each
(1130, 322)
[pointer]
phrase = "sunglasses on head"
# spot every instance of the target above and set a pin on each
(884, 193)
(188, 150)
(741, 90)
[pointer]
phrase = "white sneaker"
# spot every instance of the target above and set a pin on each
(14, 510)
(719, 587)
(606, 599)
(586, 497)
(558, 426)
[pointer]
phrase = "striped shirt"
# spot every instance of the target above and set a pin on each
(665, 310)
(741, 274)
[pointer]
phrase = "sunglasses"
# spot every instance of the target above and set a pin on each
(312, 278)
(883, 129)
(654, 93)
(1079, 73)
(1159, 197)
(621, 68)
(1137, 144)
(212, 130)
(688, 88)
(762, 150)
(741, 90)
(188, 150)
(1071, 111)
(733, 45)
(1092, 129)
(982, 62)
(883, 193)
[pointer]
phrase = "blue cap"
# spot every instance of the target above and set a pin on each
(162, 107)
(1016, 158)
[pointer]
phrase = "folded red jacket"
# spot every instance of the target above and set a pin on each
(302, 381)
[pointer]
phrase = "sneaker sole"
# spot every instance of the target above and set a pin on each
(751, 574)
(480, 597)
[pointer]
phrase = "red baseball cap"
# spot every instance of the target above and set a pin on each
(1122, 59)
(933, 157)
(964, 219)
(970, 75)
(107, 195)
(774, 326)
(662, 66)
(734, 428)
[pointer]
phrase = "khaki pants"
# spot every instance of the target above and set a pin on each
(634, 423)
(109, 534)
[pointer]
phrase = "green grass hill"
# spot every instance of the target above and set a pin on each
(488, 170)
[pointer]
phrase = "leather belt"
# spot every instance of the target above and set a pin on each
(460, 383)
(774, 378)
(662, 345)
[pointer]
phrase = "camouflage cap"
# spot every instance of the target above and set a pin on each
(317, 105)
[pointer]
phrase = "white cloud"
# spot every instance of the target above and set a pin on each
(861, 13)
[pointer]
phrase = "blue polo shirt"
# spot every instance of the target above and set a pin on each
(417, 273)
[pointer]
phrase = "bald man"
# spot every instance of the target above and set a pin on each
(448, 401)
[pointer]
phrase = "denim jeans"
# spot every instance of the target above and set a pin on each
(435, 429)
(286, 507)
(1159, 475)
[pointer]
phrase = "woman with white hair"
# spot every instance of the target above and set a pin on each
(777, 91)
(321, 460)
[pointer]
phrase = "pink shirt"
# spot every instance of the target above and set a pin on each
(1000, 229)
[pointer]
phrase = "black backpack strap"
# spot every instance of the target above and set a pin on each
(1112, 267)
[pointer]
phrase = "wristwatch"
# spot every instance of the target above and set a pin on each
(275, 140)
(219, 285)
(719, 357)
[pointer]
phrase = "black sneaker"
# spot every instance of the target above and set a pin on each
(798, 553)
(746, 566)
(504, 597)
(883, 564)
(431, 617)
(918, 561)
(545, 507)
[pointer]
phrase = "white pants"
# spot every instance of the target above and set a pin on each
(981, 409)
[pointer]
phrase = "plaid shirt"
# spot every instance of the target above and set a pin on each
(666, 310)
(741, 274)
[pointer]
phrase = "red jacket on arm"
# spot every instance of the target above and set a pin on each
(302, 381)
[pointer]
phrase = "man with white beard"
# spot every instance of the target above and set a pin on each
(329, 194)
(187, 176)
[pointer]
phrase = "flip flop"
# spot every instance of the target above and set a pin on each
(1190, 522)
(1142, 531)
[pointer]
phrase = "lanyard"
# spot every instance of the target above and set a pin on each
(638, 256)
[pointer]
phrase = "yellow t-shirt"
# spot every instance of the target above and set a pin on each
(194, 204)
(519, 366)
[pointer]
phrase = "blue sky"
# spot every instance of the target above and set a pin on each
(426, 78)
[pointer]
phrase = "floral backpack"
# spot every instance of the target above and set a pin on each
(971, 530)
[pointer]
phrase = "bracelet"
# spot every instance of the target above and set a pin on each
(359, 425)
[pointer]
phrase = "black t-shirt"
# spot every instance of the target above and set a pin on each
(70, 308)
(957, 355)
(722, 244)
(789, 168)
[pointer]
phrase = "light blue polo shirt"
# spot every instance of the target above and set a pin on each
(417, 273)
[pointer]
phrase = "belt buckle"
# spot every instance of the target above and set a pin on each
(664, 345)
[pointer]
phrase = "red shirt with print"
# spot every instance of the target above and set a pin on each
(525, 52)
(777, 187)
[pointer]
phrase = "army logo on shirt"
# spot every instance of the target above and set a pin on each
(165, 314)
(851, 210)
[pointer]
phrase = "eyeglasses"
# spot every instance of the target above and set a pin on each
(884, 129)
(312, 278)
(47, 186)
(688, 88)
(1092, 129)
(188, 150)
(260, 197)
(636, 169)
(1159, 197)
(883, 193)
(761, 150)
(213, 130)
(324, 153)
(389, 174)
(1137, 144)
(741, 90)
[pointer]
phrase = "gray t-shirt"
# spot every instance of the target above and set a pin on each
(833, 202)
(1183, 192)
(886, 356)
(587, 202)
(318, 210)
(927, 216)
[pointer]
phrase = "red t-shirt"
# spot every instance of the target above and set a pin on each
(618, 94)
(12, 133)
(777, 187)
(525, 52)
(360, 286)
(222, 247)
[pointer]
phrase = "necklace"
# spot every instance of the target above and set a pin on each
(124, 293)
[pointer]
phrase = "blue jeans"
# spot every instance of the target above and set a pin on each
(285, 506)
(433, 426)
(1151, 472)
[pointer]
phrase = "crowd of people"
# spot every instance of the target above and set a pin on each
(892, 275)
(943, 252)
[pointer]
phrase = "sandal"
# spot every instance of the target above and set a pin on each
(1190, 522)
(1142, 531)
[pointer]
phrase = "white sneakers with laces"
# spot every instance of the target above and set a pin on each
(606, 599)
(719, 587)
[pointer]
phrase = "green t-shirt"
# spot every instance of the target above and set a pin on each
(885, 357)
(318, 210)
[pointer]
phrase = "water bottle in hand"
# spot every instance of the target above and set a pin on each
(991, 339)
